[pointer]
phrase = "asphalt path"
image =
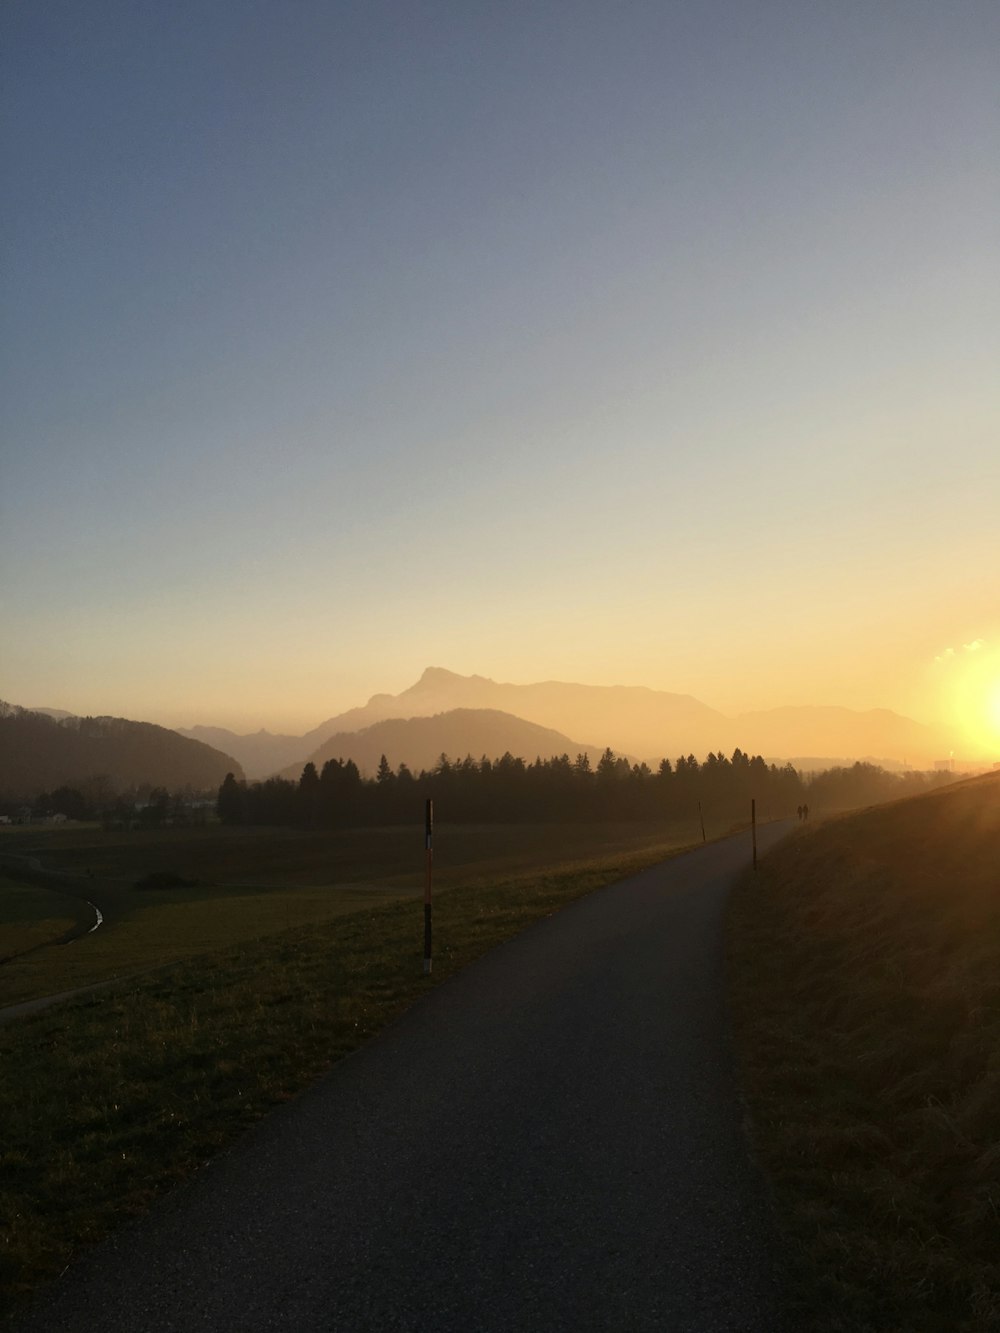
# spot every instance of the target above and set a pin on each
(551, 1140)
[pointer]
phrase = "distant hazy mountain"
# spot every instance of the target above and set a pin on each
(262, 753)
(39, 753)
(259, 754)
(655, 723)
(631, 719)
(419, 742)
(839, 731)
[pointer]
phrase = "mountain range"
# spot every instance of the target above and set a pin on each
(634, 720)
(456, 715)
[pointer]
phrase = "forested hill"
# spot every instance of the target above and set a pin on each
(39, 753)
(419, 742)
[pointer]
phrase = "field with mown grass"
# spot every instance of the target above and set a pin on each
(865, 972)
(111, 1098)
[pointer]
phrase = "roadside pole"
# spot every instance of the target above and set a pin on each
(702, 818)
(753, 827)
(429, 844)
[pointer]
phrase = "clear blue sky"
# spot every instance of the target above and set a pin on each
(639, 343)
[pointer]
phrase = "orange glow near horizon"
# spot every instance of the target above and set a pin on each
(973, 695)
(993, 709)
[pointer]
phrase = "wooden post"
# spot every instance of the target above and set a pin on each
(753, 828)
(429, 844)
(702, 818)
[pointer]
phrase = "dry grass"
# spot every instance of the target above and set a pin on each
(865, 962)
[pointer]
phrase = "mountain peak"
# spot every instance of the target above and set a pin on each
(437, 678)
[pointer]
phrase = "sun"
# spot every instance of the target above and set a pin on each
(969, 681)
(981, 700)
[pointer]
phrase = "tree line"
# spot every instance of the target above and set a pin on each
(487, 791)
(97, 800)
(559, 789)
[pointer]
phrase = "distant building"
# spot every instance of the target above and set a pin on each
(944, 765)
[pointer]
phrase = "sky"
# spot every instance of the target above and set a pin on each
(636, 343)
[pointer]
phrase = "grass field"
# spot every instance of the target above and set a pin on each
(31, 915)
(865, 964)
(389, 856)
(109, 1099)
(256, 882)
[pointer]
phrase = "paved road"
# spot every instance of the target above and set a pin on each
(549, 1141)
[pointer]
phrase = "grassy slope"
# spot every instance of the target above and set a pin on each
(865, 962)
(112, 1098)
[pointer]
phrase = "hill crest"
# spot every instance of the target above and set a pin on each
(41, 753)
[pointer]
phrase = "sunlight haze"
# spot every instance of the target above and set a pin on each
(651, 344)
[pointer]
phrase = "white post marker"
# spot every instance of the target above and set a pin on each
(429, 844)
